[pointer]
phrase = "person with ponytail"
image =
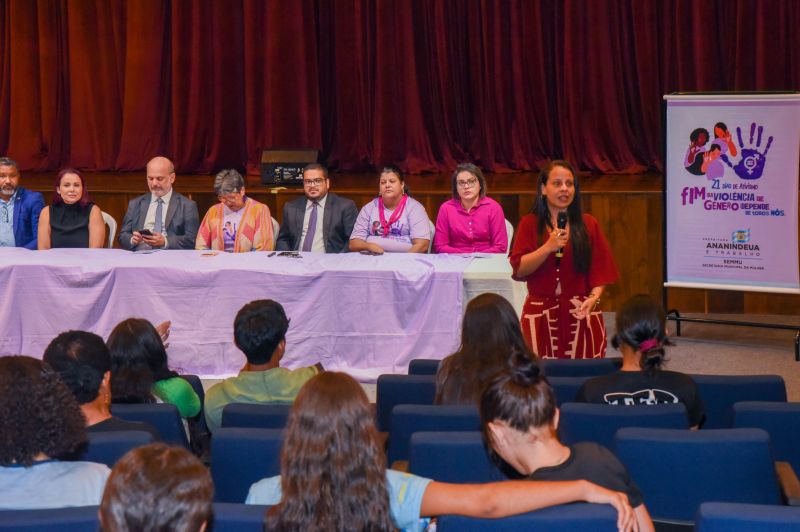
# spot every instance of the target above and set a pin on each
(392, 222)
(641, 337)
(334, 476)
(519, 420)
(566, 261)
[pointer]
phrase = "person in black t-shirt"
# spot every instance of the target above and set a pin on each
(519, 419)
(83, 362)
(641, 337)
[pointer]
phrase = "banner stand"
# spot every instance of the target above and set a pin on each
(669, 154)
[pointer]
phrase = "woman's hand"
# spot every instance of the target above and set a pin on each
(626, 519)
(558, 239)
(585, 307)
(372, 247)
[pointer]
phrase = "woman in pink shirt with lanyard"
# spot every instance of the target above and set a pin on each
(470, 222)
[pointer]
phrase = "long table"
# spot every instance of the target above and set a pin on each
(365, 315)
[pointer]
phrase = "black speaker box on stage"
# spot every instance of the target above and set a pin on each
(284, 167)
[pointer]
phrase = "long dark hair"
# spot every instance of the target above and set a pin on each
(642, 324)
(138, 360)
(333, 470)
(490, 333)
(579, 237)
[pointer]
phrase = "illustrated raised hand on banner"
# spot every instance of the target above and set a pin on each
(751, 165)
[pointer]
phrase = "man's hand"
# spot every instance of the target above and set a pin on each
(136, 239)
(155, 241)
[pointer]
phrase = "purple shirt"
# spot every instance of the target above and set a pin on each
(481, 230)
(413, 223)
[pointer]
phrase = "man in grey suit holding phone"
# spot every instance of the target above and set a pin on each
(162, 219)
(320, 221)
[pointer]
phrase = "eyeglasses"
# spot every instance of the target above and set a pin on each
(467, 184)
(9, 176)
(313, 182)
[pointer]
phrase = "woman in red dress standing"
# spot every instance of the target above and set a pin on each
(561, 318)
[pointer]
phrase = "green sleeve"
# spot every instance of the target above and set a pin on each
(179, 393)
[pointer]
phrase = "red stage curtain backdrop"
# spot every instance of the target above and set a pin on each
(107, 84)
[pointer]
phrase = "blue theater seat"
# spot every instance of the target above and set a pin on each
(423, 366)
(579, 367)
(566, 518)
(108, 447)
(257, 416)
(780, 420)
(163, 416)
(231, 517)
(599, 422)
(76, 519)
(731, 517)
(452, 457)
(720, 392)
(678, 470)
(241, 457)
(408, 419)
(393, 390)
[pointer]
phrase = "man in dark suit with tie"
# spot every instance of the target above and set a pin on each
(19, 209)
(320, 221)
(162, 219)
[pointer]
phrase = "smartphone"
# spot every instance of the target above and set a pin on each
(291, 254)
(146, 232)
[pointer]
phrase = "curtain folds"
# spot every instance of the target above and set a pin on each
(423, 84)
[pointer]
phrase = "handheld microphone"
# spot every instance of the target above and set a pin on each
(561, 221)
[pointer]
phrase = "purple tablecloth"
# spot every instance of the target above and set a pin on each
(365, 315)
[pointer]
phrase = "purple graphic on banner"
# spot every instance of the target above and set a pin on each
(751, 165)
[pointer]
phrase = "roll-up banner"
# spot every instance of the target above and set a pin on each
(732, 191)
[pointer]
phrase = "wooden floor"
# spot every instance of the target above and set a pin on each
(629, 208)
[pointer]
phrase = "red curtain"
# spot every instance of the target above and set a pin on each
(508, 84)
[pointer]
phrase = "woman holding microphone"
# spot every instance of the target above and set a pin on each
(566, 261)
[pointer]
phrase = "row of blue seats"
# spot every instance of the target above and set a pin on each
(588, 367)
(243, 455)
(578, 422)
(711, 517)
(718, 392)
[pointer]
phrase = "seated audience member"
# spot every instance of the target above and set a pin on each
(156, 487)
(334, 474)
(72, 221)
(83, 362)
(237, 223)
(393, 222)
(519, 418)
(490, 334)
(259, 331)
(19, 209)
(162, 218)
(327, 231)
(40, 422)
(641, 336)
(140, 371)
(470, 222)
